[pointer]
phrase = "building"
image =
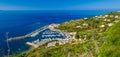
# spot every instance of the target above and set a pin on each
(102, 26)
(110, 24)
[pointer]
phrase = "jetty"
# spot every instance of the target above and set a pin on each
(32, 44)
(32, 34)
(49, 38)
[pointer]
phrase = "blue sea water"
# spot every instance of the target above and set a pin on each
(19, 23)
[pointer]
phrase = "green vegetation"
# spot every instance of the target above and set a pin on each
(111, 46)
(72, 50)
(98, 36)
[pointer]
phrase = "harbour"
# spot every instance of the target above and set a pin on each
(32, 34)
(36, 32)
(21, 23)
(51, 38)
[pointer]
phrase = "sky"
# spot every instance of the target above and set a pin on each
(58, 4)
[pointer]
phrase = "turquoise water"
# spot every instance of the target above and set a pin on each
(19, 23)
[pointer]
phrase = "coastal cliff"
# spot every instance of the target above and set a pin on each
(93, 37)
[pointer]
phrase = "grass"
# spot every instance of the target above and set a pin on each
(96, 41)
(111, 46)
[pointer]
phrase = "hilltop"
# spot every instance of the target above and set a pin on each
(97, 36)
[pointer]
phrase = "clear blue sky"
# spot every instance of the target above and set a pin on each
(58, 4)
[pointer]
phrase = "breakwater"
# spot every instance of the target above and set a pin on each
(49, 37)
(32, 34)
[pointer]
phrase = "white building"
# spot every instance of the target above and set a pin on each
(111, 16)
(78, 26)
(51, 44)
(85, 24)
(106, 15)
(110, 24)
(102, 26)
(116, 16)
(105, 19)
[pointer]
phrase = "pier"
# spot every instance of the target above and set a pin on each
(52, 35)
(32, 34)
(32, 44)
(49, 36)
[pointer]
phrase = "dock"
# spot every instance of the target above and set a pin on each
(48, 36)
(32, 44)
(32, 34)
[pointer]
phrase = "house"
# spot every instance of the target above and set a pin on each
(72, 33)
(85, 24)
(102, 26)
(110, 24)
(108, 20)
(105, 19)
(53, 25)
(78, 26)
(51, 44)
(111, 16)
(106, 15)
(116, 16)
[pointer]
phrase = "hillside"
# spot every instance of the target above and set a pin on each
(95, 36)
(111, 46)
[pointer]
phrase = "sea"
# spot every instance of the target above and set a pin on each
(21, 22)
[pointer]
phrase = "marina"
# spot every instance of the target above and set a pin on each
(46, 34)
(32, 34)
(22, 26)
(51, 35)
